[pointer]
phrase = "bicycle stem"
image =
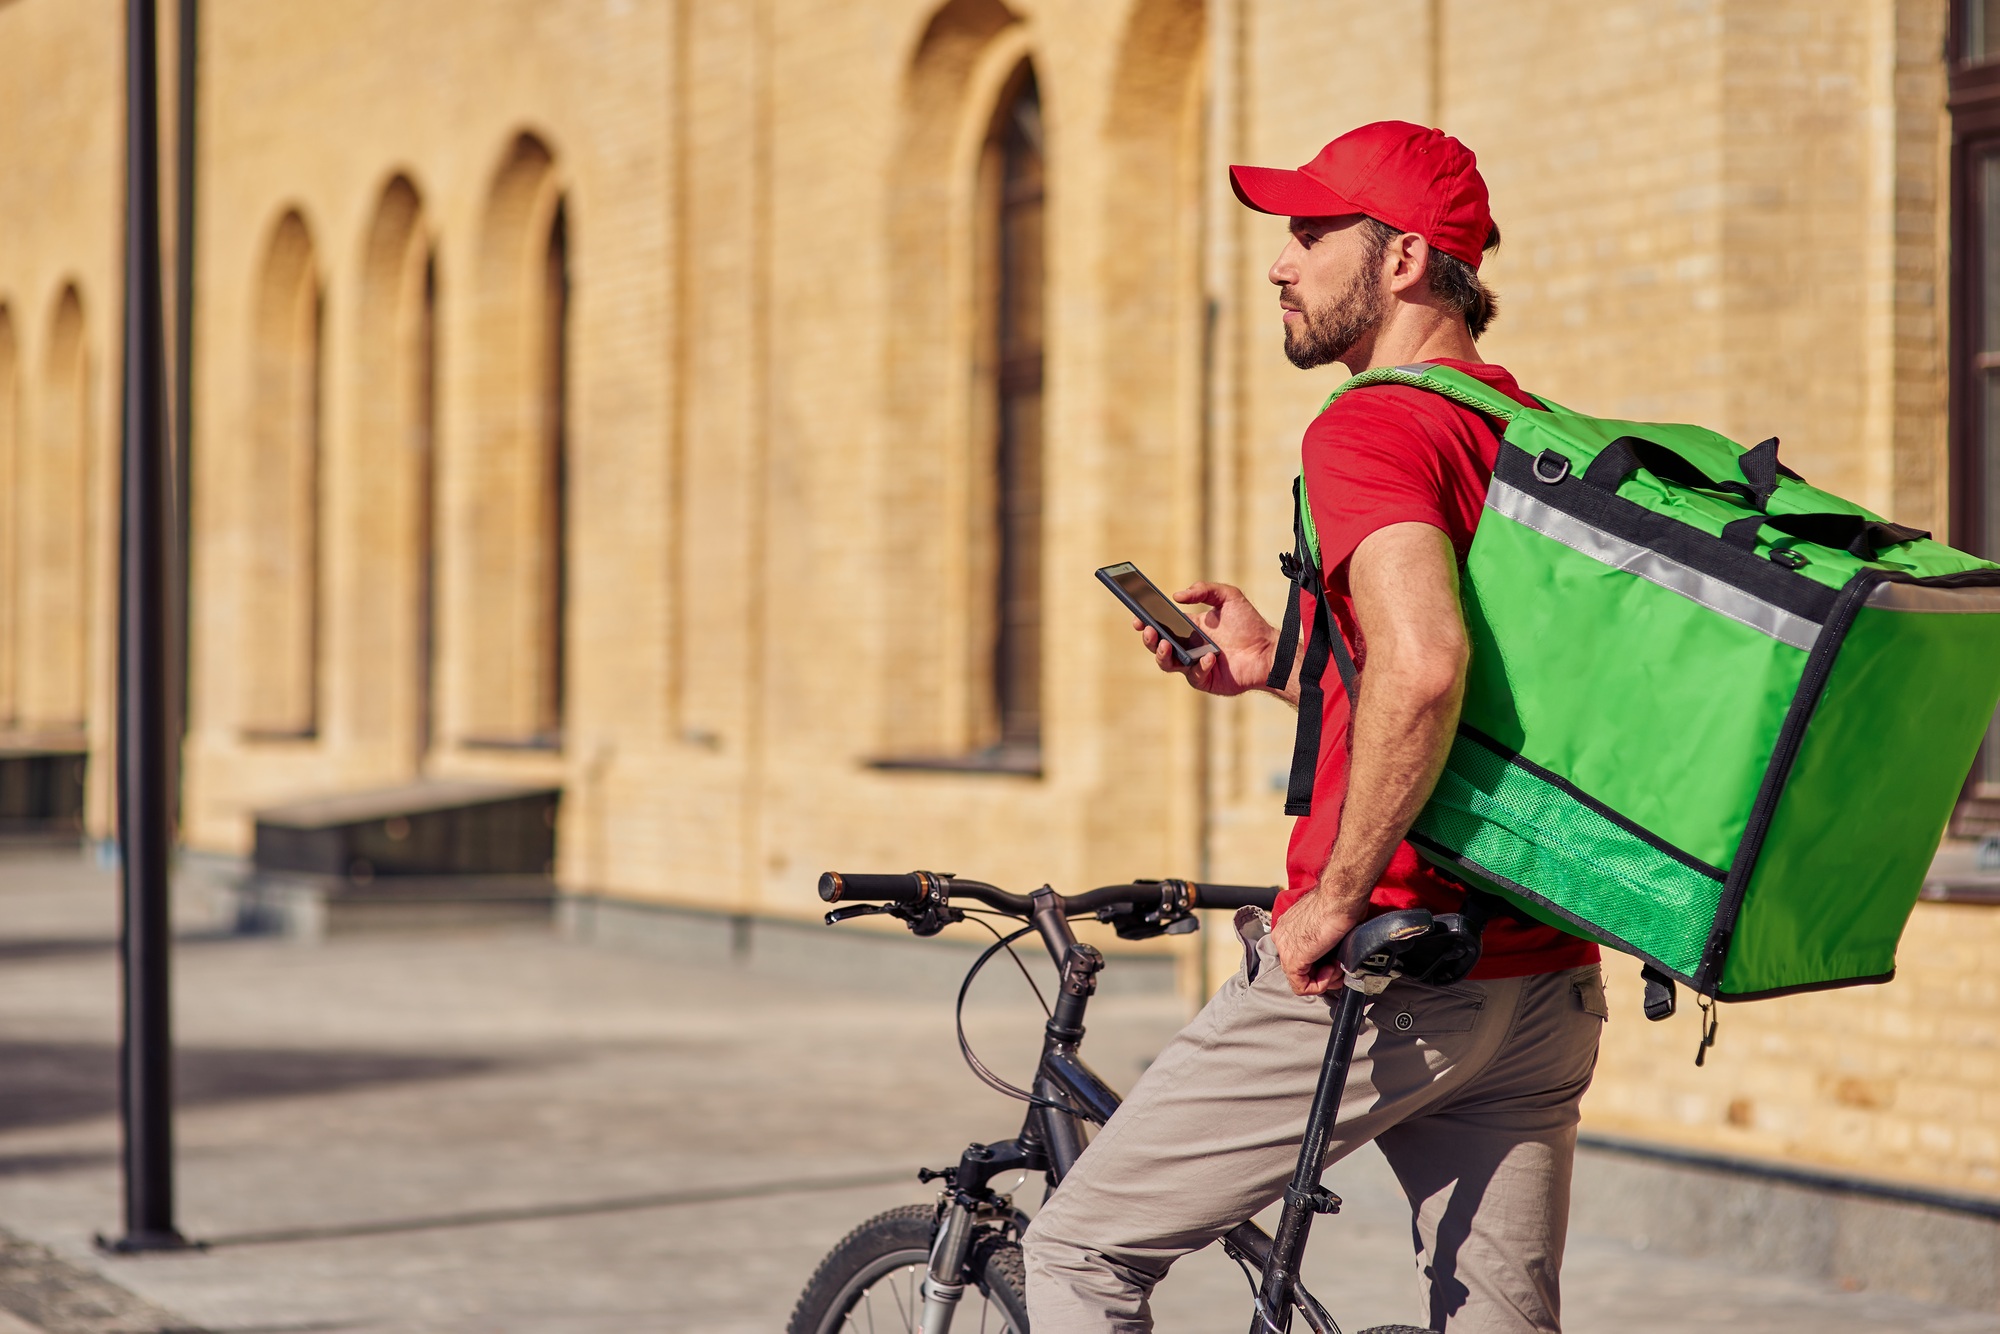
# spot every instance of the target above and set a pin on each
(1046, 912)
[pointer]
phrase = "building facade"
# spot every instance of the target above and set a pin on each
(717, 408)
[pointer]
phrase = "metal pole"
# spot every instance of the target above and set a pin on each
(186, 50)
(146, 1060)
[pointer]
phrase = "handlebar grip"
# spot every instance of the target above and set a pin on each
(835, 886)
(1235, 896)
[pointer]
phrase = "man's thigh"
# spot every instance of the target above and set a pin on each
(1207, 1136)
(1487, 1171)
(1211, 1131)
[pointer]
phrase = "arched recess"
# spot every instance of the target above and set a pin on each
(278, 494)
(388, 484)
(511, 659)
(937, 499)
(10, 510)
(53, 629)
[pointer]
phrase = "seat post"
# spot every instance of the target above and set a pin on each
(1305, 1197)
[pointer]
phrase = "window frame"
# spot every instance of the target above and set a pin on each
(1973, 103)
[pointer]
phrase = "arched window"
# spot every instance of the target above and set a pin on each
(10, 438)
(962, 409)
(387, 625)
(279, 483)
(514, 531)
(1007, 490)
(425, 614)
(552, 449)
(52, 676)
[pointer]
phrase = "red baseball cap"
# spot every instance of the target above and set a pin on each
(1409, 176)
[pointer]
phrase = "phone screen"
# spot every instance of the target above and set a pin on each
(1164, 613)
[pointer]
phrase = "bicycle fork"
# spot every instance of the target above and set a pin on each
(944, 1279)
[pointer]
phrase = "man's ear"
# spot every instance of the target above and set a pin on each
(1412, 261)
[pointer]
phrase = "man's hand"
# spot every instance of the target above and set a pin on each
(1308, 932)
(1247, 641)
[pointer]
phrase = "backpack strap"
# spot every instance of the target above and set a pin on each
(1301, 568)
(1453, 384)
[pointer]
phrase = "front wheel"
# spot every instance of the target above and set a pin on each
(872, 1282)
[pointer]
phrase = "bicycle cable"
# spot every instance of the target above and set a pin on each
(975, 914)
(972, 1061)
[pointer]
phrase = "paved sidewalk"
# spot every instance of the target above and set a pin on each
(504, 1131)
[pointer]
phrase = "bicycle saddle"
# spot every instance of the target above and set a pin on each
(1435, 951)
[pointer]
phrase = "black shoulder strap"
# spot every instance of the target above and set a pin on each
(1325, 639)
(1288, 633)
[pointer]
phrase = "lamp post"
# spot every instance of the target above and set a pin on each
(144, 685)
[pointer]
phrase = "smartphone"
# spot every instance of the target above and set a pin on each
(1156, 609)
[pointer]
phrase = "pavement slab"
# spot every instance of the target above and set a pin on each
(496, 1131)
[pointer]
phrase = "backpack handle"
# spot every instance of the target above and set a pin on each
(1856, 534)
(1629, 453)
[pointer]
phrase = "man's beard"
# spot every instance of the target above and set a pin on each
(1327, 334)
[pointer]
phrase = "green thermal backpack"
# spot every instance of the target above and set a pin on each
(1716, 718)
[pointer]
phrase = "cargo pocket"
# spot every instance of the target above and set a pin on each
(1252, 925)
(1408, 1010)
(1587, 985)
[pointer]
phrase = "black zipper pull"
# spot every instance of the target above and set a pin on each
(1708, 1018)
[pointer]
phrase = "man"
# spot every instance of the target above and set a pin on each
(1472, 1090)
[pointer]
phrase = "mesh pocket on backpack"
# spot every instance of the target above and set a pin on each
(1504, 818)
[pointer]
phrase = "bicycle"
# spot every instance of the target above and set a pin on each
(910, 1268)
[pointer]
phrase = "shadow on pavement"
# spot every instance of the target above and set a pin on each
(48, 1164)
(60, 947)
(49, 1083)
(669, 1199)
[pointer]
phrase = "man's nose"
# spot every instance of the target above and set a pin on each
(1283, 271)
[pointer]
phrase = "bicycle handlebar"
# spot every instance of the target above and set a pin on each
(836, 886)
(1235, 896)
(846, 886)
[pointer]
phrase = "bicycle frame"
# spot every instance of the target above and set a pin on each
(1068, 1093)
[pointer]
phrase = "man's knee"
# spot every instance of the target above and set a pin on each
(1073, 1286)
(1053, 1257)
(1037, 1246)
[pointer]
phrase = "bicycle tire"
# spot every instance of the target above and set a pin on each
(1397, 1329)
(887, 1254)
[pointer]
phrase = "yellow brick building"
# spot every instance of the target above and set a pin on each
(717, 408)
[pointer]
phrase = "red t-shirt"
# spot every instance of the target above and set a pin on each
(1384, 455)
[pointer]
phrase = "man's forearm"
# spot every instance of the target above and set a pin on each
(1402, 727)
(1405, 585)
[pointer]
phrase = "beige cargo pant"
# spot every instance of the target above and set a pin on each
(1470, 1090)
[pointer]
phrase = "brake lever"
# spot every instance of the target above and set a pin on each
(1136, 926)
(839, 915)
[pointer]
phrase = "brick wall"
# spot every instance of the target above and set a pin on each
(60, 71)
(1898, 1081)
(1715, 210)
